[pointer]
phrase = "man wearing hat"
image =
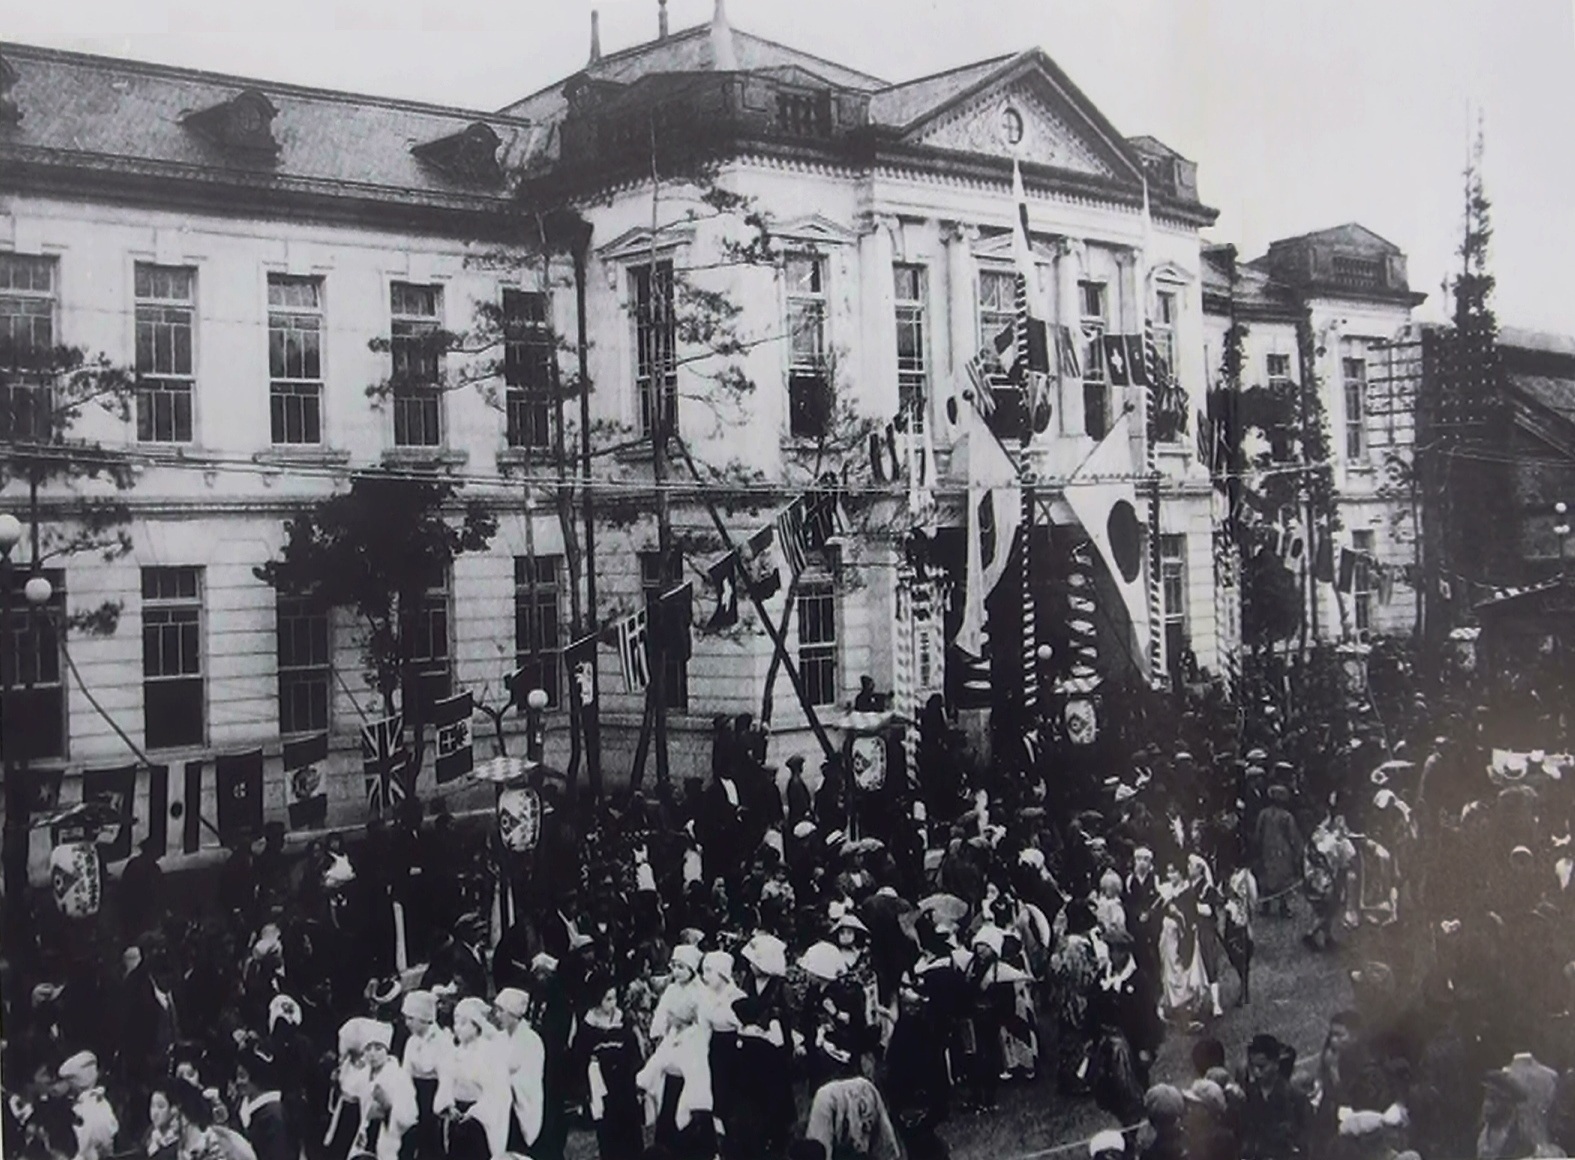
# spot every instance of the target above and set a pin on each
(96, 1122)
(261, 1111)
(800, 803)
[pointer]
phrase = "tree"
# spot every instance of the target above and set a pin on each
(378, 549)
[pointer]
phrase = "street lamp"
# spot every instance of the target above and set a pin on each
(535, 724)
(1562, 531)
(13, 854)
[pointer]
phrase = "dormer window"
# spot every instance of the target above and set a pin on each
(9, 113)
(244, 124)
(470, 155)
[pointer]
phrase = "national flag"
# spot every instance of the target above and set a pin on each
(305, 794)
(1102, 496)
(1116, 369)
(456, 755)
(1323, 564)
(724, 580)
(822, 505)
(758, 564)
(633, 651)
(579, 659)
(41, 791)
(1292, 544)
(239, 780)
(885, 466)
(1348, 563)
(995, 511)
(117, 789)
(383, 758)
(1031, 369)
(790, 536)
(1139, 360)
(1206, 446)
(1066, 354)
(675, 620)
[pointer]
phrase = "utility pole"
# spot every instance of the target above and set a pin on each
(590, 715)
(660, 302)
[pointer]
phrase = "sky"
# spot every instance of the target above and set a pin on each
(1301, 114)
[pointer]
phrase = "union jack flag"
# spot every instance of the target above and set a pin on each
(383, 759)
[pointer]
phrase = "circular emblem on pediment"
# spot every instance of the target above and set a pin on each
(1012, 127)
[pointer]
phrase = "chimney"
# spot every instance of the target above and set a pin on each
(661, 19)
(723, 57)
(596, 36)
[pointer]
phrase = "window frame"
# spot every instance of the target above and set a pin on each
(1173, 594)
(1353, 381)
(529, 350)
(643, 306)
(166, 400)
(1364, 542)
(1002, 317)
(808, 381)
(819, 652)
(912, 313)
(28, 685)
(310, 674)
(160, 609)
(28, 307)
(434, 671)
(1097, 418)
(531, 602)
(307, 391)
(418, 410)
(653, 585)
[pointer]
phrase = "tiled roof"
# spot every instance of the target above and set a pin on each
(1350, 233)
(109, 112)
(1255, 290)
(900, 105)
(688, 50)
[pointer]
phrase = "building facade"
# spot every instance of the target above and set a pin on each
(262, 255)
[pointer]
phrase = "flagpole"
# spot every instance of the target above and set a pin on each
(1156, 610)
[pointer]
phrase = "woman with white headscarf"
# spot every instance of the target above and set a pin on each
(473, 1093)
(682, 1040)
(716, 1009)
(527, 1061)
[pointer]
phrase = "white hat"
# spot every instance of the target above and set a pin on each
(1109, 1140)
(718, 962)
(689, 956)
(850, 921)
(512, 1001)
(419, 1005)
(285, 1008)
(991, 936)
(473, 1010)
(544, 962)
(803, 830)
(79, 1067)
(767, 954)
(379, 1034)
(823, 961)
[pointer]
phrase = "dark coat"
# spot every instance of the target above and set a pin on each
(271, 1135)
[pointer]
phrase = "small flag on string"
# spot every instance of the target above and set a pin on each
(308, 796)
(239, 779)
(791, 537)
(455, 750)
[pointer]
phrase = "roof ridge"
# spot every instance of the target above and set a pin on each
(946, 72)
(20, 50)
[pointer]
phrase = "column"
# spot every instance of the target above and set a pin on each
(1070, 256)
(878, 356)
(961, 294)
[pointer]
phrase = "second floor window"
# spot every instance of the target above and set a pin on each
(997, 306)
(295, 359)
(1097, 419)
(1278, 367)
(430, 654)
(655, 345)
(528, 357)
(27, 335)
(305, 660)
(173, 711)
(416, 343)
(1165, 331)
(33, 704)
(166, 381)
(1353, 365)
(536, 612)
(809, 386)
(913, 351)
(817, 640)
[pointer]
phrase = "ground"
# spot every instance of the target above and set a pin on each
(1294, 993)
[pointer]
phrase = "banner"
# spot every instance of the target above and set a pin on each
(306, 795)
(240, 785)
(76, 875)
(117, 789)
(452, 739)
(633, 651)
(675, 620)
(759, 566)
(724, 580)
(383, 758)
(791, 537)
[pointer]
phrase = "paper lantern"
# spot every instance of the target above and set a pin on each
(519, 819)
(77, 876)
(869, 762)
(1081, 725)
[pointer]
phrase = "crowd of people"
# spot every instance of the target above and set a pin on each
(778, 965)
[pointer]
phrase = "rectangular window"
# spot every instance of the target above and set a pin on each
(1362, 581)
(913, 351)
(33, 712)
(809, 386)
(416, 341)
(172, 688)
(1097, 420)
(1165, 331)
(1279, 370)
(528, 360)
(295, 359)
(166, 322)
(536, 621)
(1173, 585)
(817, 640)
(305, 660)
(27, 335)
(997, 306)
(1353, 364)
(430, 654)
(655, 345)
(675, 668)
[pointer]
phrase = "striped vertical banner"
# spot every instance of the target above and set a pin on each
(1156, 595)
(1030, 625)
(904, 686)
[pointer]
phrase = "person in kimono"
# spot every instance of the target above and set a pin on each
(1181, 966)
(716, 1010)
(527, 1062)
(473, 1093)
(680, 1043)
(764, 1091)
(425, 1048)
(610, 1052)
(388, 1109)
